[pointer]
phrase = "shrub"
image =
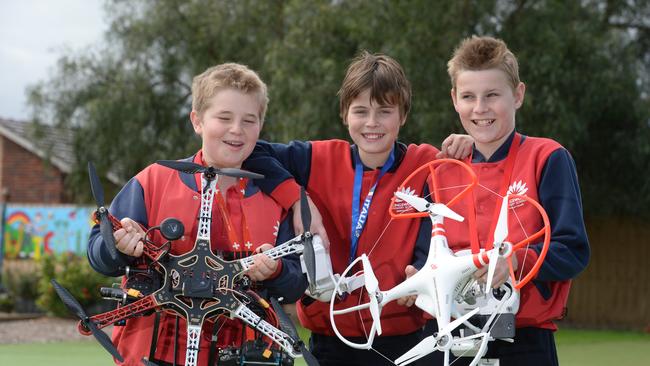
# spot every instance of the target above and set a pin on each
(6, 302)
(20, 279)
(75, 274)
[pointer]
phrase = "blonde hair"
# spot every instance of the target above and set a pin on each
(482, 53)
(382, 75)
(229, 75)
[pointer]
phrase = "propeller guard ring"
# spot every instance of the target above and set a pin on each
(337, 290)
(431, 167)
(544, 232)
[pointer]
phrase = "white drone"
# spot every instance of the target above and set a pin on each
(441, 285)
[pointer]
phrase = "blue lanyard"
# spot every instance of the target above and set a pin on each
(359, 218)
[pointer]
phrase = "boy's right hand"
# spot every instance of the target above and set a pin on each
(456, 146)
(128, 239)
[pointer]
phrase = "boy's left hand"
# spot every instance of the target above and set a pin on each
(408, 301)
(456, 146)
(263, 266)
(501, 272)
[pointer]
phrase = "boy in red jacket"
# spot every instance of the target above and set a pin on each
(486, 93)
(228, 106)
(352, 185)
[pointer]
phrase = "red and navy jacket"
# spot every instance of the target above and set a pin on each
(544, 171)
(157, 193)
(326, 169)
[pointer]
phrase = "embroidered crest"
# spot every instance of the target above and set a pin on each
(401, 206)
(276, 229)
(518, 188)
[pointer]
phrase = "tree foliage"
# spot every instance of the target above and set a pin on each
(585, 64)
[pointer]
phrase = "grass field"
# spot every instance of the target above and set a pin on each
(575, 347)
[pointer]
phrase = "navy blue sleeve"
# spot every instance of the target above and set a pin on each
(291, 283)
(559, 194)
(422, 244)
(279, 162)
(423, 240)
(129, 202)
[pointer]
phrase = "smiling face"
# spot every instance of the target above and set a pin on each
(229, 128)
(373, 128)
(486, 104)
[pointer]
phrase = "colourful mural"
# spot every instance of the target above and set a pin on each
(30, 230)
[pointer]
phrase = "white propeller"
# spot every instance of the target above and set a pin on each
(500, 234)
(372, 286)
(430, 343)
(423, 205)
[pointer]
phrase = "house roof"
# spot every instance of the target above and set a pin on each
(47, 142)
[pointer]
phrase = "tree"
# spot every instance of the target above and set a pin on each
(585, 64)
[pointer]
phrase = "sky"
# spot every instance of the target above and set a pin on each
(33, 35)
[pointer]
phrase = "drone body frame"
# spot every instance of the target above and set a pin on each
(197, 285)
(438, 282)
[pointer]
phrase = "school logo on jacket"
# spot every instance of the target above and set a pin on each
(276, 229)
(400, 206)
(518, 188)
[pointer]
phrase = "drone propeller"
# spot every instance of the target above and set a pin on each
(105, 226)
(73, 305)
(193, 168)
(372, 286)
(287, 326)
(430, 343)
(308, 251)
(423, 205)
(500, 234)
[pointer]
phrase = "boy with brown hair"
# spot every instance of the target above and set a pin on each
(486, 93)
(352, 185)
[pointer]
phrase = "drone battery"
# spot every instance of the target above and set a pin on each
(252, 353)
(503, 325)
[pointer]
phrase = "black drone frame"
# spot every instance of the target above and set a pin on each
(197, 285)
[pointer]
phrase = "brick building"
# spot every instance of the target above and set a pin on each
(33, 170)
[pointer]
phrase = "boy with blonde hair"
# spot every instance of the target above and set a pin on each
(228, 107)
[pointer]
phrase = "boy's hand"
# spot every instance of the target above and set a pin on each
(317, 226)
(128, 239)
(263, 266)
(456, 146)
(501, 272)
(408, 301)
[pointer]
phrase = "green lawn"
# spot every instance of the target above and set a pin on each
(602, 348)
(575, 347)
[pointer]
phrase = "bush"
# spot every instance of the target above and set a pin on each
(20, 279)
(75, 274)
(6, 302)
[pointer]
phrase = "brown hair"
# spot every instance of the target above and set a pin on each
(229, 75)
(382, 75)
(482, 53)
